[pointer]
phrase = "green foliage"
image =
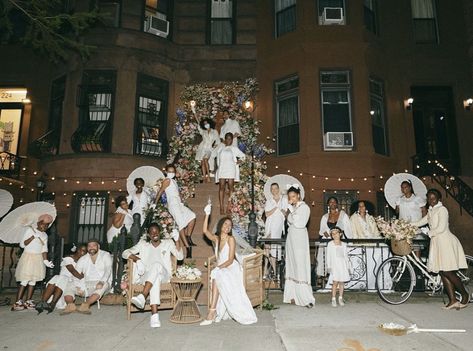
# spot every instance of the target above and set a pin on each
(268, 306)
(47, 26)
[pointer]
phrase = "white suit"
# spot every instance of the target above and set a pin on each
(157, 264)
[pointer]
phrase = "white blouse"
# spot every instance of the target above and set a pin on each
(410, 208)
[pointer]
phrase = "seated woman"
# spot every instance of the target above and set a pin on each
(122, 217)
(210, 139)
(333, 218)
(446, 255)
(364, 226)
(275, 210)
(66, 279)
(229, 298)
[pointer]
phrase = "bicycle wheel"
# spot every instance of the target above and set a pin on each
(395, 280)
(466, 276)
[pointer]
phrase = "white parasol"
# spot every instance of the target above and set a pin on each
(14, 225)
(6, 200)
(149, 174)
(282, 180)
(392, 188)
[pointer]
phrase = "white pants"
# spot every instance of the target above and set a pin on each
(155, 274)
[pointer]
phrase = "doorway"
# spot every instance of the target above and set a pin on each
(435, 128)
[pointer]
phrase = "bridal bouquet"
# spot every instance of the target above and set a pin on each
(396, 229)
(188, 272)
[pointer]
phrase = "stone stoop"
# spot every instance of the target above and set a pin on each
(204, 249)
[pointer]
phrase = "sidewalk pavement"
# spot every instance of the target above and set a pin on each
(349, 328)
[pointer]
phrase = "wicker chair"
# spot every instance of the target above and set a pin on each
(252, 277)
(168, 297)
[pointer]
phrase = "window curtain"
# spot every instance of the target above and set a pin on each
(422, 9)
(283, 4)
(222, 9)
(288, 112)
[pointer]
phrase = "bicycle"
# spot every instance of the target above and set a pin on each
(396, 278)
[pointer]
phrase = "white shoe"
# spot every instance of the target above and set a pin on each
(154, 321)
(206, 322)
(340, 301)
(139, 301)
(334, 302)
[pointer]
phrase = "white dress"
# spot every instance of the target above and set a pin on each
(113, 231)
(64, 280)
(233, 302)
(181, 214)
(344, 224)
(227, 157)
(30, 265)
(410, 209)
(231, 126)
(298, 286)
(205, 148)
(338, 262)
(274, 225)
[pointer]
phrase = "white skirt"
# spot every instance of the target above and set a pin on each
(30, 268)
(60, 281)
(181, 214)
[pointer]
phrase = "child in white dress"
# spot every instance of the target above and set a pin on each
(32, 265)
(338, 265)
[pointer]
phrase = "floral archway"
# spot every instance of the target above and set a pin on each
(210, 101)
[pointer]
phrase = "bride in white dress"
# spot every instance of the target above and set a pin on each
(228, 298)
(297, 287)
(183, 216)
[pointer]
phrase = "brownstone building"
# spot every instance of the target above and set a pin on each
(349, 90)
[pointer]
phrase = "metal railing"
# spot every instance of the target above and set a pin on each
(10, 164)
(428, 165)
(92, 137)
(366, 256)
(46, 145)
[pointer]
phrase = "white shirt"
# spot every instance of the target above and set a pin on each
(151, 255)
(38, 245)
(141, 202)
(66, 261)
(410, 209)
(231, 126)
(100, 271)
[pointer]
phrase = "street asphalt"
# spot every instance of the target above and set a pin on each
(353, 327)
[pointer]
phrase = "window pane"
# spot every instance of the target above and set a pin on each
(288, 112)
(425, 31)
(283, 4)
(288, 140)
(221, 32)
(422, 9)
(286, 20)
(327, 78)
(221, 8)
(336, 118)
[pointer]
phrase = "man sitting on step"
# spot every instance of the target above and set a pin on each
(152, 267)
(96, 267)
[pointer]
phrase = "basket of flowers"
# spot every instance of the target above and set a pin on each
(399, 232)
(188, 271)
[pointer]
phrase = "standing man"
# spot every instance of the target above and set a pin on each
(153, 266)
(230, 125)
(96, 266)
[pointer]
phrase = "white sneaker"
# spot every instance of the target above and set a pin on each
(139, 301)
(340, 301)
(154, 321)
(334, 302)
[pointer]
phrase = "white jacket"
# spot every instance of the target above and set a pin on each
(103, 266)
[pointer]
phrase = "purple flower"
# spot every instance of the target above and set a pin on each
(181, 114)
(242, 146)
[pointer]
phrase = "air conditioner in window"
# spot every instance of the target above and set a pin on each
(157, 25)
(339, 140)
(333, 15)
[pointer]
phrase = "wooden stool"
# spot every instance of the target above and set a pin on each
(186, 310)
